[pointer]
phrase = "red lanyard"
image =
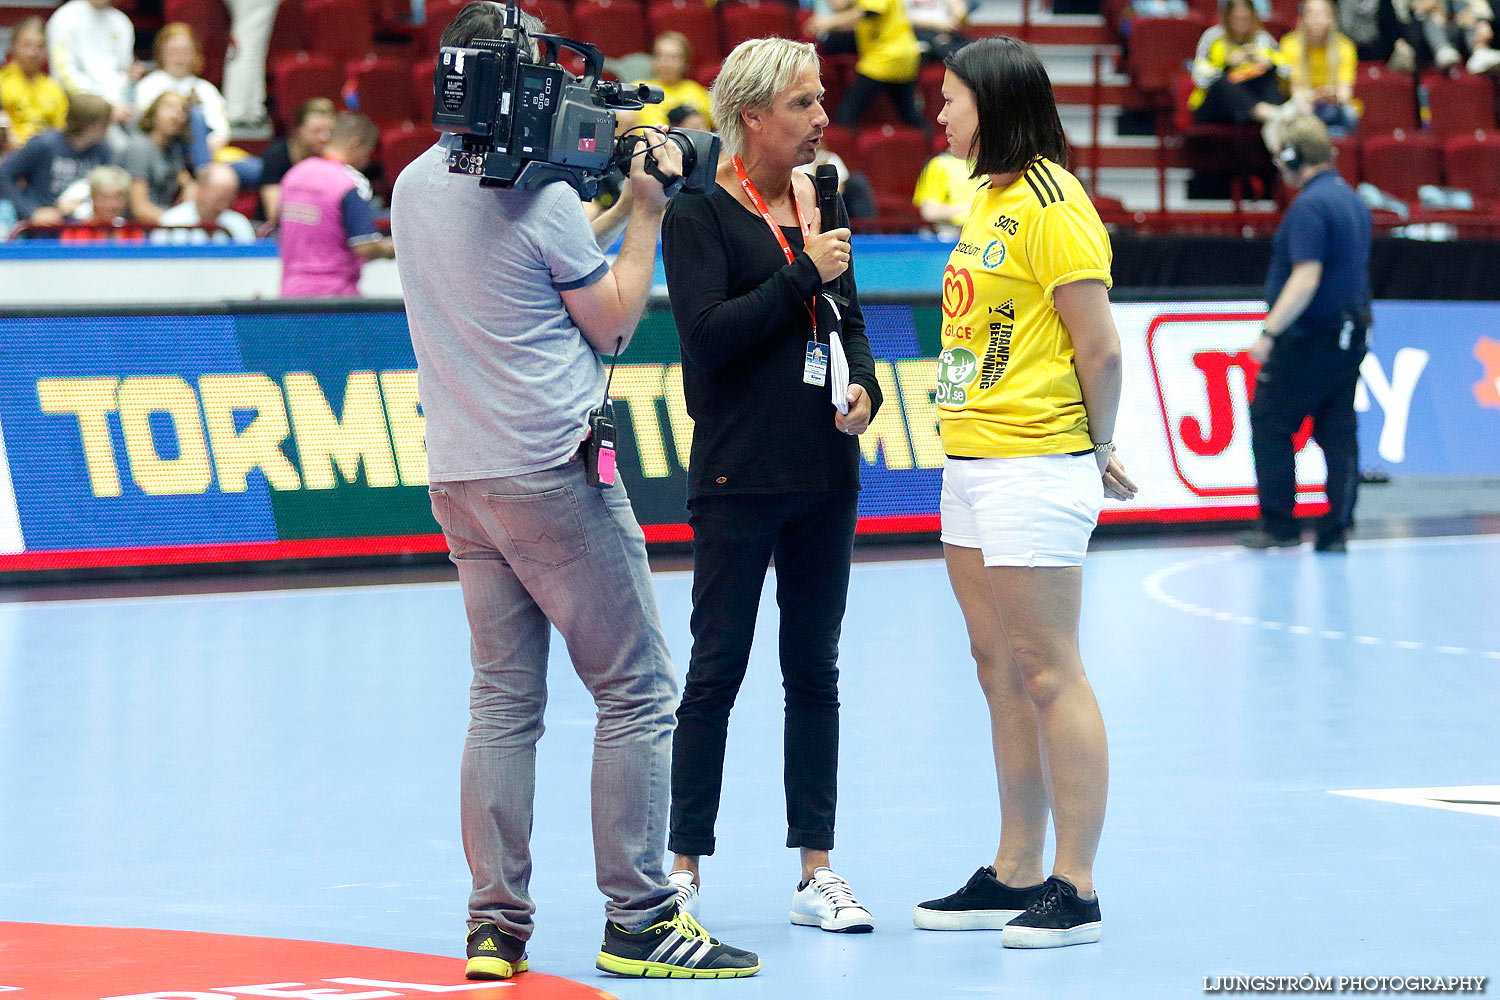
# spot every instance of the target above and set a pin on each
(765, 213)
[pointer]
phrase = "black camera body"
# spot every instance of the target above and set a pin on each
(515, 121)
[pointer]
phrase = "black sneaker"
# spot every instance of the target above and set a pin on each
(1331, 543)
(1259, 539)
(676, 948)
(1056, 918)
(494, 954)
(984, 904)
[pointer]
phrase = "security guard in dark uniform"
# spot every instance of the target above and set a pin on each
(1313, 341)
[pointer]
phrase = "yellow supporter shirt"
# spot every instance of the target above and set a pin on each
(1314, 72)
(1006, 382)
(674, 95)
(33, 104)
(886, 44)
(946, 181)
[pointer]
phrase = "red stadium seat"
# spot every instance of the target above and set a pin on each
(892, 158)
(439, 13)
(1346, 158)
(1390, 101)
(691, 18)
(399, 145)
(844, 142)
(614, 27)
(555, 14)
(1160, 47)
(930, 84)
(742, 20)
(300, 76)
(341, 29)
(707, 73)
(421, 85)
(1472, 163)
(290, 32)
(210, 22)
(1460, 104)
(1399, 164)
(384, 89)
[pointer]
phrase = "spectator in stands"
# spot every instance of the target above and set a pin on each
(31, 100)
(180, 57)
(1474, 25)
(159, 159)
(1237, 71)
(671, 55)
(938, 25)
(218, 185)
(91, 49)
(311, 127)
(109, 196)
(888, 57)
(327, 227)
(687, 116)
(945, 192)
(34, 177)
(250, 24)
(1321, 62)
(1422, 33)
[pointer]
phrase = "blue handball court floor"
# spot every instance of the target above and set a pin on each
(1305, 753)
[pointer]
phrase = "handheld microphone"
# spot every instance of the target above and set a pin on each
(826, 180)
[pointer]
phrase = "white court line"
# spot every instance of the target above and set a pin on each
(1154, 586)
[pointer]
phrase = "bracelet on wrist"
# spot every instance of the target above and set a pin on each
(1104, 447)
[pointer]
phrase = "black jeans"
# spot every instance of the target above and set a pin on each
(811, 536)
(864, 90)
(1309, 376)
(1226, 103)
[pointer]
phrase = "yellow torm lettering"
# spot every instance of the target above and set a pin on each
(258, 446)
(90, 400)
(189, 474)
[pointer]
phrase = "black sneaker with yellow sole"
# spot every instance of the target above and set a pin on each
(494, 954)
(676, 948)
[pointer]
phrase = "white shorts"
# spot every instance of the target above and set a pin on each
(1032, 511)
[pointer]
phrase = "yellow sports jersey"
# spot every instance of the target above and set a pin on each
(1308, 67)
(886, 44)
(33, 104)
(1006, 382)
(946, 181)
(673, 95)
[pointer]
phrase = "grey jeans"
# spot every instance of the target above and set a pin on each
(547, 548)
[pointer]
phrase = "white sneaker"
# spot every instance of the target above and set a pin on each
(1446, 57)
(687, 892)
(829, 903)
(1484, 61)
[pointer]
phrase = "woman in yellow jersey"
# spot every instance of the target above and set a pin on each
(671, 58)
(1028, 386)
(1321, 62)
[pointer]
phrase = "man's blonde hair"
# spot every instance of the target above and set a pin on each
(755, 72)
(1309, 136)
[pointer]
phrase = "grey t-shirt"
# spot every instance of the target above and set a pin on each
(161, 169)
(505, 376)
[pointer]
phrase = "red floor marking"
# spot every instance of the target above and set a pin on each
(56, 962)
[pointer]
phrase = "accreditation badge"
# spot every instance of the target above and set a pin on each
(815, 364)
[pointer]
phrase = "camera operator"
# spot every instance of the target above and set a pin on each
(775, 467)
(508, 297)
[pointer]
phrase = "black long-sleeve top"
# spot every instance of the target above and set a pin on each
(739, 309)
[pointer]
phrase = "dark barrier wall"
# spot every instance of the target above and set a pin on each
(1399, 269)
(239, 434)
